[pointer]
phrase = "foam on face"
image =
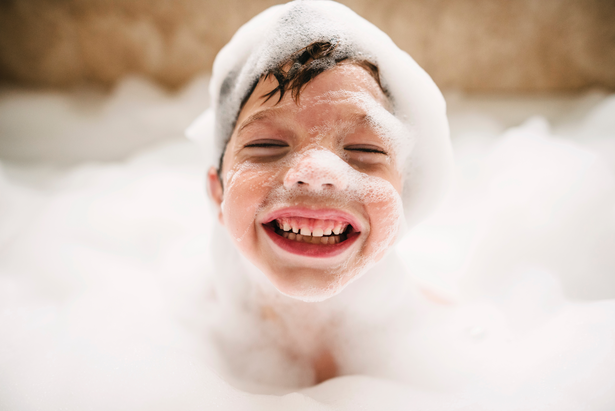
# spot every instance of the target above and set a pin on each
(360, 189)
(330, 118)
(341, 109)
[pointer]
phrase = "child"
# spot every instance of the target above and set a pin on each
(329, 140)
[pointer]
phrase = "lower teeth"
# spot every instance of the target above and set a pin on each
(332, 239)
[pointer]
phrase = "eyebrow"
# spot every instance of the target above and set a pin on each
(363, 120)
(360, 119)
(261, 115)
(356, 119)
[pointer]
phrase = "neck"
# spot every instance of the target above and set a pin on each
(305, 332)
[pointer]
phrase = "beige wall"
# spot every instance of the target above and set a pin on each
(475, 45)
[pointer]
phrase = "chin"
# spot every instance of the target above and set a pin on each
(313, 296)
(306, 292)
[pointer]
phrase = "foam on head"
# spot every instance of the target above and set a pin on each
(420, 129)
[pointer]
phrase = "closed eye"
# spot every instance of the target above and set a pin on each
(267, 144)
(365, 149)
(266, 149)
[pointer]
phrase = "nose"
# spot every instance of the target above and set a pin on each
(318, 170)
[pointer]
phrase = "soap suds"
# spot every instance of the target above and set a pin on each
(108, 287)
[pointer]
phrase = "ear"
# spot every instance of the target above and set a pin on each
(214, 189)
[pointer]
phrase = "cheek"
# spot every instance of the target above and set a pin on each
(244, 191)
(385, 210)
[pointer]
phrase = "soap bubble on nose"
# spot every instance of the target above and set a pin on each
(316, 170)
(321, 168)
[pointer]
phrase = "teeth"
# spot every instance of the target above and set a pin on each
(313, 239)
(325, 231)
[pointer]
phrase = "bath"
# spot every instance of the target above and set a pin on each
(110, 281)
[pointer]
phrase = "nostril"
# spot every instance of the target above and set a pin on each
(317, 170)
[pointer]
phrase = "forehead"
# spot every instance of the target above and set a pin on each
(345, 90)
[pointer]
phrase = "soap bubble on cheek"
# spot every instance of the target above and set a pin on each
(386, 202)
(238, 178)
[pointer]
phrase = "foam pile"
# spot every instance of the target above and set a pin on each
(106, 292)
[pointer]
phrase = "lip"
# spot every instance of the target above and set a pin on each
(309, 249)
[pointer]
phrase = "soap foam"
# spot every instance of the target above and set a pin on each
(117, 309)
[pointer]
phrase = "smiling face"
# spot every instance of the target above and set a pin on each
(311, 192)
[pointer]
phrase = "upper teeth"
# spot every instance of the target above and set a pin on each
(311, 227)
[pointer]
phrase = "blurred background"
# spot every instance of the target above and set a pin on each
(472, 45)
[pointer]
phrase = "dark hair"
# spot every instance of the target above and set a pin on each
(294, 73)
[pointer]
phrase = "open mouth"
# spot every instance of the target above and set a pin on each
(311, 236)
(312, 231)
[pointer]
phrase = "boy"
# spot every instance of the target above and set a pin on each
(327, 138)
(320, 163)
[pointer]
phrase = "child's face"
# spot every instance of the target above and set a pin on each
(295, 175)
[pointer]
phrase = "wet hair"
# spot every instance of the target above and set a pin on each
(294, 73)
